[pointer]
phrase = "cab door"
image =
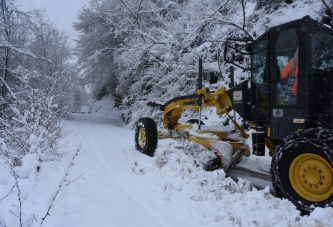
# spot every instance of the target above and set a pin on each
(259, 79)
(288, 77)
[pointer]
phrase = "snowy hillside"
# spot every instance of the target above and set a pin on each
(154, 57)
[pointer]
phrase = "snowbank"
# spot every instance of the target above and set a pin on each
(177, 175)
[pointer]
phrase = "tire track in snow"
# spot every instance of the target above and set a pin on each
(109, 134)
(139, 202)
(111, 182)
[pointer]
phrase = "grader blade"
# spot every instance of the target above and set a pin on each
(214, 163)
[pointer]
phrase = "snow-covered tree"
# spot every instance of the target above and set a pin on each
(327, 12)
(34, 81)
(97, 44)
(149, 50)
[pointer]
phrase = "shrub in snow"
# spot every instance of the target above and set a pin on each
(36, 84)
(31, 122)
(34, 75)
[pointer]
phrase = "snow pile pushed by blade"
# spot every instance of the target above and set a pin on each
(181, 170)
(177, 174)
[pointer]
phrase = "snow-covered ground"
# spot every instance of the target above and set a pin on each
(111, 184)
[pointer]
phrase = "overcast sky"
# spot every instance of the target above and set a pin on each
(61, 12)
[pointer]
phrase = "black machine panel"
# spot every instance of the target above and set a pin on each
(240, 98)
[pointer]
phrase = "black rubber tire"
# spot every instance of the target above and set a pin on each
(194, 121)
(278, 192)
(312, 142)
(148, 145)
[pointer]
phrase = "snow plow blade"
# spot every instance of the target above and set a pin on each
(227, 152)
(260, 178)
(214, 163)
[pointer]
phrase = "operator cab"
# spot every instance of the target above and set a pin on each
(292, 78)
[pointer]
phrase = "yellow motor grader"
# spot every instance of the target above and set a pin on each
(288, 101)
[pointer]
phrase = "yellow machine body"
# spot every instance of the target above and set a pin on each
(228, 144)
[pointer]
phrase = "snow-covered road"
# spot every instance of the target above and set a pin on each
(108, 193)
(121, 187)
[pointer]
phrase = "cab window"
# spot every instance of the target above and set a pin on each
(259, 61)
(286, 52)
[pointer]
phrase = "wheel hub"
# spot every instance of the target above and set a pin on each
(311, 176)
(142, 137)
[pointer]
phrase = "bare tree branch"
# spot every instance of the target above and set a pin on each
(137, 12)
(71, 181)
(243, 2)
(8, 192)
(60, 186)
(230, 24)
(329, 10)
(18, 195)
(18, 50)
(134, 15)
(151, 38)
